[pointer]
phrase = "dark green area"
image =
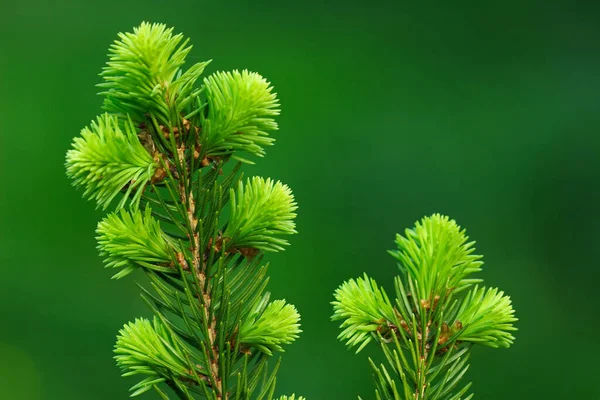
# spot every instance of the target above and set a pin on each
(487, 113)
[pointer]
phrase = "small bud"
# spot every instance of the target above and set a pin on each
(445, 328)
(436, 300)
(159, 175)
(246, 351)
(404, 326)
(249, 253)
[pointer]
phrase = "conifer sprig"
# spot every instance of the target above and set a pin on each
(108, 158)
(261, 211)
(437, 255)
(145, 348)
(427, 332)
(487, 318)
(267, 330)
(241, 107)
(140, 71)
(134, 239)
(364, 308)
(162, 147)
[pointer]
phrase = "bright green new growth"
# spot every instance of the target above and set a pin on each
(133, 239)
(268, 329)
(139, 78)
(487, 317)
(145, 348)
(361, 304)
(260, 209)
(427, 331)
(164, 147)
(242, 125)
(107, 157)
(437, 255)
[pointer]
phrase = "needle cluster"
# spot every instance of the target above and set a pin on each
(439, 312)
(168, 151)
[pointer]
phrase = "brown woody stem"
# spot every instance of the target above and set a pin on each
(198, 267)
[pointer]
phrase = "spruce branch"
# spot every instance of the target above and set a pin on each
(163, 147)
(147, 348)
(268, 329)
(260, 210)
(134, 239)
(240, 110)
(437, 255)
(141, 69)
(487, 317)
(106, 159)
(365, 309)
(426, 334)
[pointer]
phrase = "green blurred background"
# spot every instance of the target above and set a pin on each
(391, 111)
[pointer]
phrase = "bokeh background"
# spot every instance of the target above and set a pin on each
(485, 111)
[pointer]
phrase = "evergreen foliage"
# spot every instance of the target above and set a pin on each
(165, 148)
(362, 306)
(148, 348)
(426, 332)
(240, 110)
(261, 209)
(106, 158)
(140, 74)
(133, 239)
(277, 324)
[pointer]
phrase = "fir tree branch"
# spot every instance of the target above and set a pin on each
(426, 334)
(109, 158)
(277, 324)
(164, 149)
(240, 110)
(364, 309)
(131, 240)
